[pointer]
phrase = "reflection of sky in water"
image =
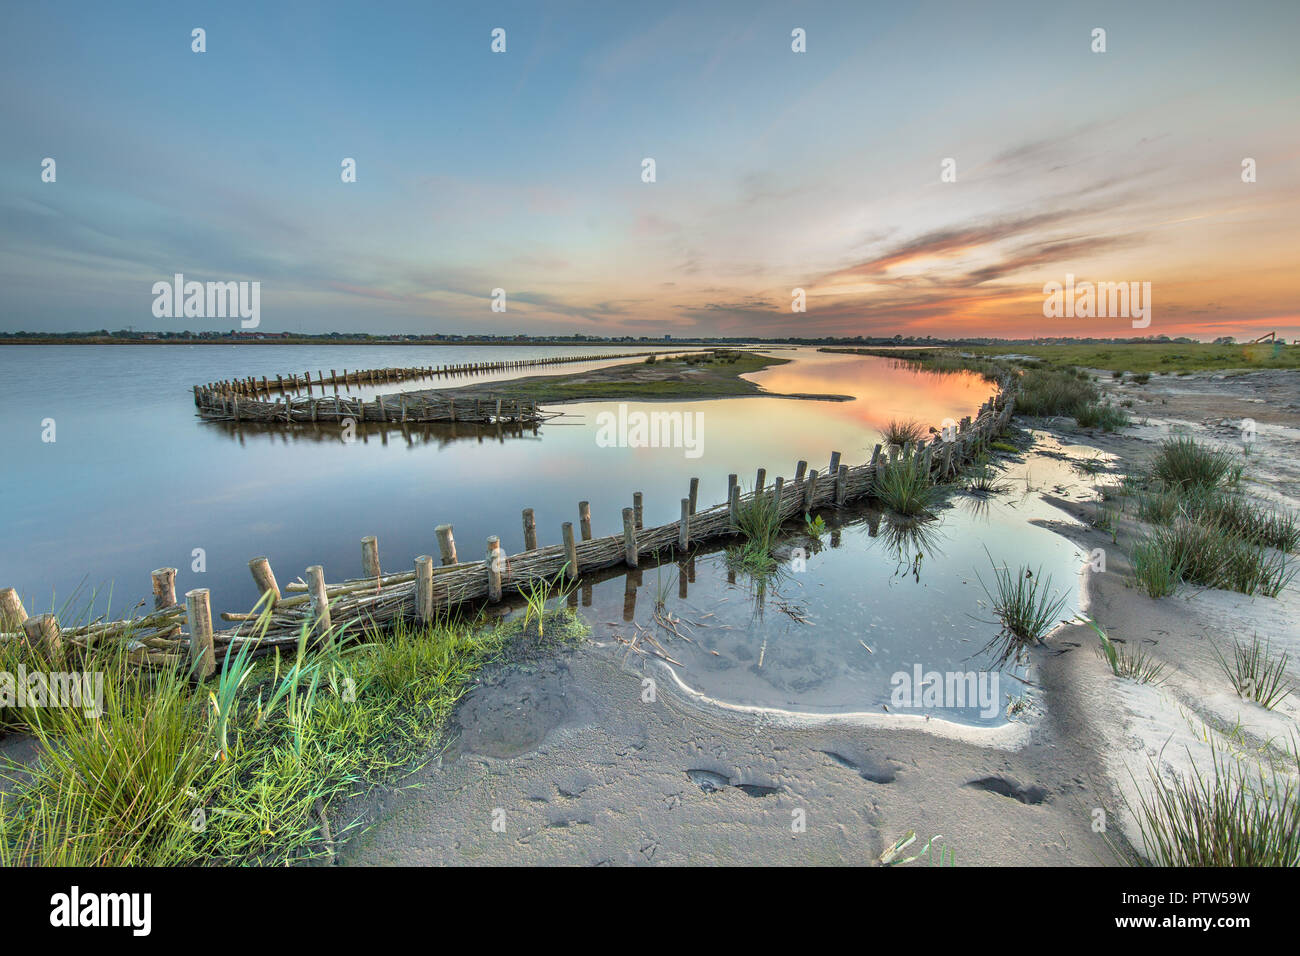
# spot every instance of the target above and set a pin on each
(799, 644)
(135, 481)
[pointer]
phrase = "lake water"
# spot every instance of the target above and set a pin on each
(136, 481)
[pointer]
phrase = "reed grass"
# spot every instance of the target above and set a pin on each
(1101, 415)
(1227, 817)
(1207, 555)
(900, 433)
(1255, 673)
(1136, 665)
(1183, 463)
(246, 768)
(1047, 392)
(1024, 604)
(758, 522)
(905, 487)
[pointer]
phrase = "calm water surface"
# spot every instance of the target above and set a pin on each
(135, 481)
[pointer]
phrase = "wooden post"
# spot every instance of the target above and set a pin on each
(584, 519)
(731, 484)
(875, 454)
(733, 505)
(810, 490)
(264, 578)
(629, 538)
(320, 604)
(494, 563)
(12, 612)
(841, 484)
(446, 544)
(835, 464)
(637, 512)
(530, 530)
(684, 528)
(370, 557)
(203, 656)
(695, 493)
(760, 480)
(424, 588)
(43, 632)
(570, 549)
(800, 470)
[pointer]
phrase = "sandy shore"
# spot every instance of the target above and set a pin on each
(575, 768)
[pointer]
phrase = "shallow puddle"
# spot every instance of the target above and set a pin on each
(867, 619)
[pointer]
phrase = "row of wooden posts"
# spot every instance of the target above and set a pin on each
(327, 610)
(252, 387)
(415, 408)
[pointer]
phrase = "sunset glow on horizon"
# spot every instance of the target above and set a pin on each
(775, 170)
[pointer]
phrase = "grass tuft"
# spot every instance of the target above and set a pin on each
(1025, 606)
(1255, 673)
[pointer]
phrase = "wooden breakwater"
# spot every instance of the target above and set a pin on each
(252, 387)
(185, 632)
(271, 402)
(399, 408)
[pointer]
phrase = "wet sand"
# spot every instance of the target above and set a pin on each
(580, 770)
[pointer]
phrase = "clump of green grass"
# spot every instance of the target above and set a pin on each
(1225, 817)
(1207, 555)
(1183, 463)
(1101, 415)
(758, 522)
(1136, 665)
(1004, 447)
(900, 433)
(984, 479)
(242, 769)
(904, 486)
(1154, 569)
(1256, 674)
(1141, 378)
(1046, 391)
(1026, 607)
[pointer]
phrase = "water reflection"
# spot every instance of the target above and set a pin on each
(436, 434)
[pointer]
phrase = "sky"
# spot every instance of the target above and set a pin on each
(775, 170)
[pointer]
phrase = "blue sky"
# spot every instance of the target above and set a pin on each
(775, 170)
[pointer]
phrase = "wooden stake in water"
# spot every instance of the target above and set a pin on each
(570, 549)
(800, 469)
(684, 527)
(629, 538)
(584, 519)
(695, 493)
(446, 544)
(43, 632)
(203, 656)
(424, 588)
(12, 612)
(637, 511)
(530, 530)
(370, 557)
(810, 491)
(164, 588)
(320, 602)
(264, 579)
(494, 563)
